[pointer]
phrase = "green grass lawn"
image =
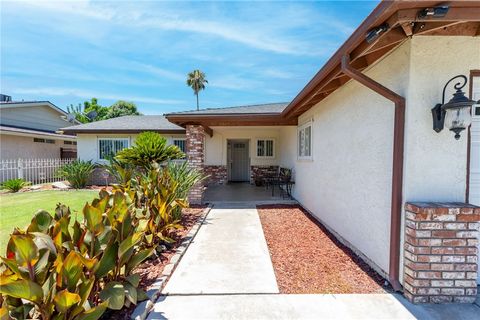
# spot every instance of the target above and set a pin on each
(17, 209)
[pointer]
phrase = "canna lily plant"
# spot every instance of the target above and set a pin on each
(53, 270)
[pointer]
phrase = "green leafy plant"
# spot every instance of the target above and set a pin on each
(75, 272)
(43, 269)
(149, 148)
(186, 177)
(77, 173)
(123, 173)
(15, 185)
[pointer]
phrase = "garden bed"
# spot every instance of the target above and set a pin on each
(151, 270)
(307, 258)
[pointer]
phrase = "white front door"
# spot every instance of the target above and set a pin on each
(474, 195)
(239, 162)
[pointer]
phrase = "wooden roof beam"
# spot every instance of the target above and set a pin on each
(453, 14)
(208, 130)
(426, 27)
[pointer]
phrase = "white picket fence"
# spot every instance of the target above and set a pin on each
(32, 170)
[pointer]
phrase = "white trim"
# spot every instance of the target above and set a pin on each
(273, 148)
(308, 123)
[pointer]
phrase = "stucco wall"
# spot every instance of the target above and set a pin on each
(216, 146)
(14, 147)
(435, 164)
(87, 144)
(347, 184)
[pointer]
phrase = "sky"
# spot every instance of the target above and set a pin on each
(67, 52)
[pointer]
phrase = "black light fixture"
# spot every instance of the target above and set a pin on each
(455, 114)
(374, 33)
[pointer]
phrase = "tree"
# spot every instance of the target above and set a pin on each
(196, 80)
(91, 111)
(121, 108)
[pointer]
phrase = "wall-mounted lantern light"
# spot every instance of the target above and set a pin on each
(455, 114)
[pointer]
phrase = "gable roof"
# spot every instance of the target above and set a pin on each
(23, 104)
(127, 124)
(266, 108)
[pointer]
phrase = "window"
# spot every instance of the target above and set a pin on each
(265, 148)
(70, 142)
(305, 141)
(109, 147)
(40, 140)
(181, 144)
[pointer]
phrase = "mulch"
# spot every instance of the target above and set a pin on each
(151, 270)
(307, 258)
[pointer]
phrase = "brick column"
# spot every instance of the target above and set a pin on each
(196, 158)
(440, 253)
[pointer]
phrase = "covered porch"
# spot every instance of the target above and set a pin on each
(244, 192)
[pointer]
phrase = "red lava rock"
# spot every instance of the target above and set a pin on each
(307, 258)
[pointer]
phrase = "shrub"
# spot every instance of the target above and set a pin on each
(14, 185)
(149, 148)
(75, 273)
(123, 173)
(77, 173)
(186, 177)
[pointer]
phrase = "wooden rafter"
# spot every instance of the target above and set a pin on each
(426, 27)
(453, 14)
(208, 130)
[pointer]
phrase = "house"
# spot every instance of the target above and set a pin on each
(98, 140)
(360, 140)
(28, 130)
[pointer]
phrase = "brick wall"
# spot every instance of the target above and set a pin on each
(258, 172)
(440, 251)
(195, 157)
(217, 175)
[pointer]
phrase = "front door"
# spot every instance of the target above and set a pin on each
(474, 195)
(238, 160)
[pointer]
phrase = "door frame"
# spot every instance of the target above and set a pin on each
(230, 161)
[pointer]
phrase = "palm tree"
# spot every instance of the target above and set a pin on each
(196, 80)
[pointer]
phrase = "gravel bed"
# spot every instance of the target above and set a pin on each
(307, 258)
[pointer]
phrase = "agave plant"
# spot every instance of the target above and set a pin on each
(14, 185)
(77, 173)
(149, 148)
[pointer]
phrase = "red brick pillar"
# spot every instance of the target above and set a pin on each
(196, 159)
(441, 258)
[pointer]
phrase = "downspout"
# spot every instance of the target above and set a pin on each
(397, 167)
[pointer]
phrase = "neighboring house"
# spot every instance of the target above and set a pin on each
(28, 130)
(359, 139)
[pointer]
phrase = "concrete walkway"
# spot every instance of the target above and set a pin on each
(228, 255)
(226, 273)
(310, 306)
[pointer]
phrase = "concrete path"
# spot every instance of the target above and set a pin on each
(228, 255)
(226, 273)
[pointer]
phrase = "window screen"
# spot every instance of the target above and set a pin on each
(109, 147)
